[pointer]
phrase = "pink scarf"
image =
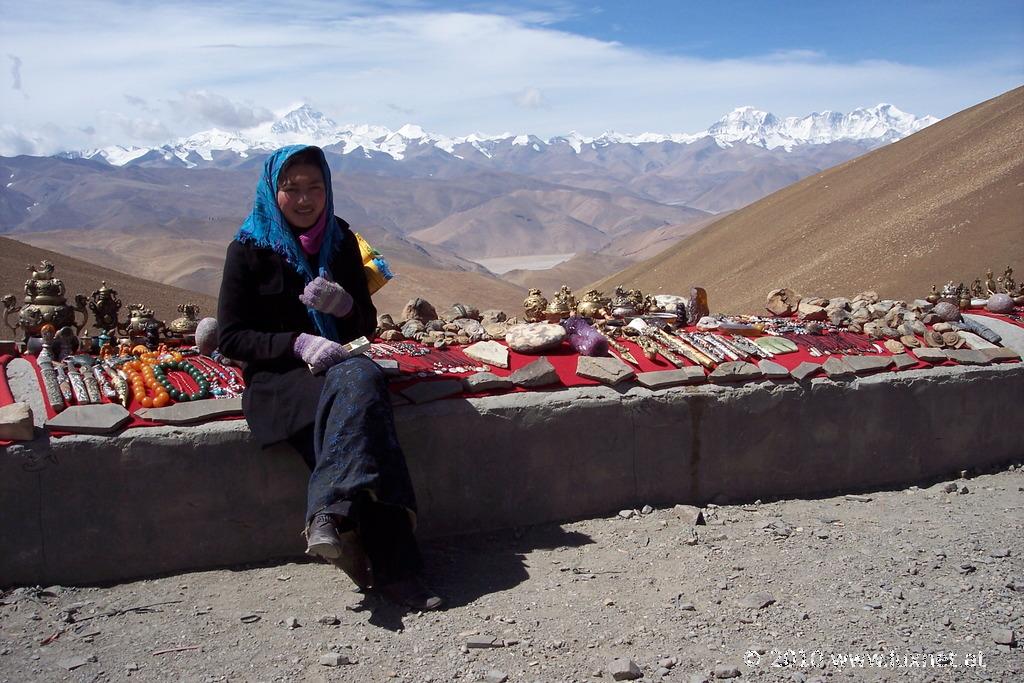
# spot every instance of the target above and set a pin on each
(314, 236)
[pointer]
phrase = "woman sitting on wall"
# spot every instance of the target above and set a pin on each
(293, 293)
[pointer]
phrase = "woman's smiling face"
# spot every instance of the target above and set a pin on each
(302, 195)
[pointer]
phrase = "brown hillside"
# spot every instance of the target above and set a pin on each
(81, 277)
(576, 272)
(943, 204)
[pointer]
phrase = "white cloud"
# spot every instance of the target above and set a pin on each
(531, 98)
(211, 108)
(228, 65)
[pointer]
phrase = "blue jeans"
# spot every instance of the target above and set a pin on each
(359, 473)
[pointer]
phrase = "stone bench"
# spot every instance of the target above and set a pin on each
(86, 509)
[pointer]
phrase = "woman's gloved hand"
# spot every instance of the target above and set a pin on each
(319, 353)
(326, 296)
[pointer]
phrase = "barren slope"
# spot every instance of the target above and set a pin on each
(576, 272)
(82, 277)
(945, 203)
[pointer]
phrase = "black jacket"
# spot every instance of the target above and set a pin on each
(259, 316)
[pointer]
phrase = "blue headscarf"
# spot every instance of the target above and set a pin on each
(266, 227)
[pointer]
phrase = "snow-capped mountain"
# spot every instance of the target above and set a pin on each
(876, 125)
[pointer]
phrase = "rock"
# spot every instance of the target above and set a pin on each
(782, 302)
(856, 498)
(726, 671)
(999, 303)
(977, 325)
(486, 381)
(930, 355)
(493, 315)
(495, 330)
(690, 514)
(903, 361)
(626, 514)
(479, 642)
(758, 600)
(101, 418)
(922, 305)
(667, 662)
(193, 411)
(77, 662)
(862, 365)
(432, 390)
(894, 347)
(804, 371)
(1004, 636)
(772, 370)
(837, 368)
(495, 676)
(1000, 552)
(329, 620)
(946, 311)
(808, 311)
(334, 659)
(419, 309)
(489, 353)
(698, 306)
(861, 315)
(734, 371)
(967, 357)
(16, 422)
(291, 622)
(604, 369)
(868, 297)
(534, 337)
(623, 669)
(539, 373)
(385, 322)
(457, 311)
(646, 510)
(392, 335)
(412, 328)
(838, 316)
(668, 302)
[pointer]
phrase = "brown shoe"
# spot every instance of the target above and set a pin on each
(412, 593)
(322, 538)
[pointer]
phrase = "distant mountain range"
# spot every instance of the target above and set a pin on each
(431, 203)
(875, 125)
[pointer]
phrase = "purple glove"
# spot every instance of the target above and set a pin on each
(319, 353)
(327, 297)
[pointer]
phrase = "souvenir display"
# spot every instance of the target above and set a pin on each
(105, 306)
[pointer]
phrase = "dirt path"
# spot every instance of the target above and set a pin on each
(903, 578)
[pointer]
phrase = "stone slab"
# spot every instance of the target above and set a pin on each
(735, 371)
(804, 371)
(863, 365)
(432, 390)
(486, 381)
(1012, 336)
(101, 418)
(534, 337)
(837, 368)
(904, 361)
(604, 369)
(16, 422)
(662, 379)
(488, 352)
(930, 355)
(24, 385)
(1000, 354)
(967, 357)
(975, 342)
(539, 373)
(190, 412)
(772, 370)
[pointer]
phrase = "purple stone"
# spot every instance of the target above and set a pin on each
(586, 340)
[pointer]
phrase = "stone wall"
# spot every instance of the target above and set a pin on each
(86, 509)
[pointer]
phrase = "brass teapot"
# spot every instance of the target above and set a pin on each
(104, 305)
(594, 304)
(185, 325)
(562, 305)
(45, 303)
(141, 323)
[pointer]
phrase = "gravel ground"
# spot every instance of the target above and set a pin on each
(767, 591)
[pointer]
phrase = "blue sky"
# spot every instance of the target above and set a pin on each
(87, 73)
